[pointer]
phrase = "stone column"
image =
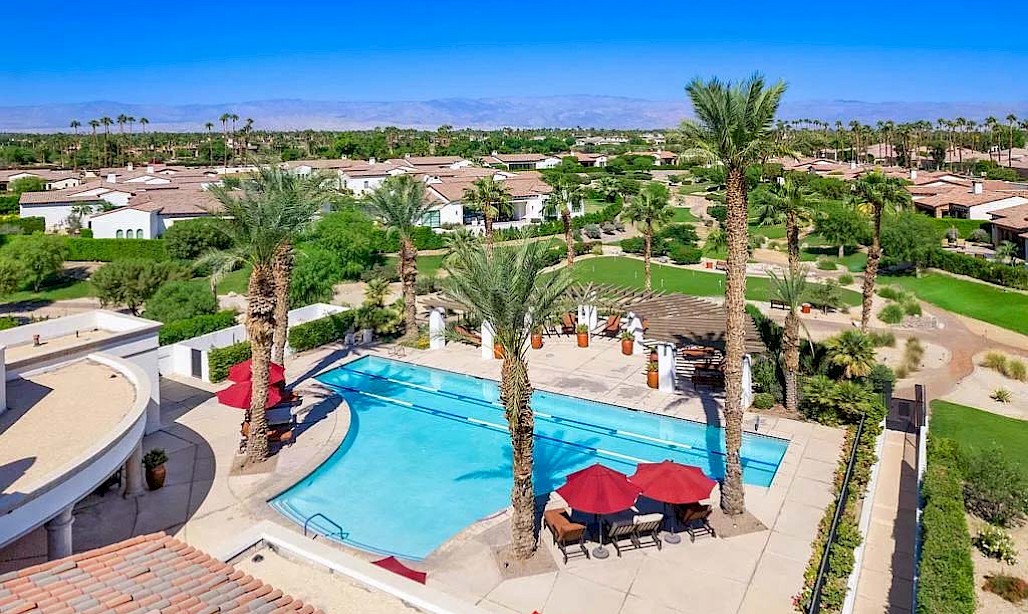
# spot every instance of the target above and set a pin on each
(437, 329)
(487, 341)
(666, 366)
(58, 535)
(747, 382)
(635, 326)
(133, 471)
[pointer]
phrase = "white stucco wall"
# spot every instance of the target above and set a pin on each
(106, 226)
(981, 212)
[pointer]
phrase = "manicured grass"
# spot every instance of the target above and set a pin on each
(622, 271)
(965, 227)
(975, 430)
(853, 261)
(683, 214)
(693, 188)
(980, 301)
(771, 232)
(594, 206)
(428, 264)
(61, 290)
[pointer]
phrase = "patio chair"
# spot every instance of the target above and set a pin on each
(695, 520)
(565, 533)
(634, 528)
(648, 525)
(279, 435)
(468, 336)
(612, 327)
(567, 324)
(618, 530)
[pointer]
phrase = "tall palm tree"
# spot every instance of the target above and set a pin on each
(795, 203)
(399, 204)
(566, 196)
(650, 208)
(233, 118)
(75, 125)
(1011, 119)
(106, 122)
(491, 198)
(504, 286)
(143, 122)
(791, 289)
(880, 194)
(258, 223)
(852, 351)
(735, 127)
(122, 119)
(224, 129)
(131, 122)
(210, 149)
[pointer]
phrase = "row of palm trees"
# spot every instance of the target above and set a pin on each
(106, 123)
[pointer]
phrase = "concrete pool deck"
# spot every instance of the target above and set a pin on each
(205, 503)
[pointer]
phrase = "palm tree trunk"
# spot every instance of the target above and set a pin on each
(408, 275)
(283, 273)
(874, 254)
(792, 237)
(565, 218)
(260, 327)
(647, 253)
(515, 394)
(791, 332)
(732, 495)
(488, 219)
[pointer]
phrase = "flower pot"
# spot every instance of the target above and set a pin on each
(537, 341)
(155, 477)
(497, 351)
(583, 340)
(653, 379)
(627, 345)
(708, 264)
(805, 307)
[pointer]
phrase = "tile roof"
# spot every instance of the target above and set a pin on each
(184, 200)
(53, 197)
(514, 158)
(43, 173)
(426, 160)
(150, 573)
(963, 198)
(1015, 217)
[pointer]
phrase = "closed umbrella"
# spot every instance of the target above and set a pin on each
(243, 372)
(394, 565)
(240, 394)
(670, 482)
(599, 490)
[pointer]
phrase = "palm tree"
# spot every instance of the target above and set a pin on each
(609, 188)
(122, 119)
(399, 204)
(106, 122)
(491, 198)
(796, 204)
(505, 287)
(143, 123)
(735, 127)
(880, 193)
(1006, 251)
(258, 223)
(131, 122)
(853, 352)
(224, 129)
(233, 118)
(566, 196)
(1011, 119)
(791, 289)
(75, 125)
(650, 208)
(210, 149)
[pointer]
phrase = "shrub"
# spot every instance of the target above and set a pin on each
(765, 377)
(39, 256)
(684, 254)
(825, 264)
(718, 212)
(985, 270)
(592, 231)
(180, 300)
(913, 353)
(979, 235)
(318, 332)
(882, 339)
(1011, 367)
(86, 233)
(14, 224)
(996, 361)
(220, 360)
(1016, 369)
(1001, 395)
(314, 277)
(880, 376)
(180, 330)
(995, 543)
(109, 250)
(190, 239)
(824, 294)
(633, 245)
(893, 293)
(678, 233)
(7, 322)
(845, 279)
(995, 490)
(891, 314)
(912, 308)
(763, 400)
(608, 229)
(132, 282)
(1010, 588)
(155, 458)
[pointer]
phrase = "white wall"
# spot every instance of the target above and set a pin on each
(106, 226)
(61, 184)
(550, 162)
(361, 185)
(54, 216)
(451, 213)
(981, 212)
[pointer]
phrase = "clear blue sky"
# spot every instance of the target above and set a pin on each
(208, 52)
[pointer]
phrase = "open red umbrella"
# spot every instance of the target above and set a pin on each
(392, 564)
(599, 490)
(670, 482)
(240, 394)
(243, 372)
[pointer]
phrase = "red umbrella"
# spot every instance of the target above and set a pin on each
(599, 490)
(671, 482)
(240, 394)
(243, 372)
(392, 564)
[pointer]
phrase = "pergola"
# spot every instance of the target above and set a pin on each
(683, 320)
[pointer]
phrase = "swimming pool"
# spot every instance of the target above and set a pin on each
(428, 453)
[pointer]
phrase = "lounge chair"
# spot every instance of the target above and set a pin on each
(695, 519)
(565, 533)
(468, 336)
(634, 529)
(612, 328)
(279, 435)
(567, 324)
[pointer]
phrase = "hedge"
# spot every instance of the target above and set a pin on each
(985, 270)
(109, 250)
(556, 227)
(318, 332)
(947, 572)
(26, 225)
(220, 360)
(180, 330)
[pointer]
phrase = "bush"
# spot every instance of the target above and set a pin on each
(86, 233)
(985, 270)
(684, 254)
(318, 332)
(912, 308)
(13, 224)
(180, 300)
(633, 245)
(426, 284)
(1001, 395)
(1016, 369)
(845, 279)
(1011, 367)
(352, 238)
(882, 339)
(995, 543)
(995, 490)
(220, 360)
(180, 330)
(109, 250)
(132, 282)
(592, 231)
(718, 212)
(891, 314)
(763, 400)
(881, 376)
(893, 293)
(190, 239)
(315, 273)
(980, 235)
(1010, 588)
(996, 361)
(37, 258)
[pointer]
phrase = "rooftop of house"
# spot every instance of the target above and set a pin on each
(171, 200)
(45, 174)
(962, 197)
(53, 197)
(518, 158)
(148, 573)
(1014, 218)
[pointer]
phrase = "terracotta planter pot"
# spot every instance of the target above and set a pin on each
(627, 345)
(537, 341)
(805, 308)
(497, 351)
(583, 340)
(708, 264)
(653, 379)
(155, 477)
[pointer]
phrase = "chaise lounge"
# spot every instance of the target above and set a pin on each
(468, 336)
(695, 519)
(612, 328)
(634, 529)
(565, 533)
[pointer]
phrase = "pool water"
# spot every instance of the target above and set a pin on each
(428, 453)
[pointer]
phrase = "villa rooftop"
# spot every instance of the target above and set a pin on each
(77, 339)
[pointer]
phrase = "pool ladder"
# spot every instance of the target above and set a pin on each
(341, 533)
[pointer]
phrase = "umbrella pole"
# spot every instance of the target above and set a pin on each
(599, 551)
(669, 536)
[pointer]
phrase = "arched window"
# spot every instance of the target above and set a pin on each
(120, 234)
(139, 233)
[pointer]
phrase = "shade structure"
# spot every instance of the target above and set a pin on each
(392, 564)
(599, 490)
(243, 372)
(670, 482)
(240, 394)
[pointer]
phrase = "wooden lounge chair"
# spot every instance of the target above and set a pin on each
(567, 324)
(565, 533)
(634, 529)
(612, 328)
(619, 530)
(468, 336)
(695, 519)
(279, 435)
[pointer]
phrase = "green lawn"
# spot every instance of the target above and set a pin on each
(853, 261)
(61, 290)
(980, 301)
(693, 188)
(975, 430)
(683, 214)
(427, 264)
(594, 206)
(771, 232)
(623, 271)
(965, 227)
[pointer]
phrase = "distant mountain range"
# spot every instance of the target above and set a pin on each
(521, 112)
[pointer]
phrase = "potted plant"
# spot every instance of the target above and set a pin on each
(497, 351)
(537, 338)
(154, 461)
(582, 330)
(653, 354)
(652, 375)
(627, 342)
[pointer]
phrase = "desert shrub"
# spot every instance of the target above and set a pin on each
(132, 282)
(826, 265)
(608, 228)
(893, 293)
(882, 339)
(979, 235)
(592, 231)
(180, 330)
(1010, 588)
(995, 543)
(891, 313)
(912, 308)
(190, 239)
(912, 354)
(996, 361)
(1016, 369)
(1001, 395)
(845, 279)
(1011, 367)
(995, 490)
(321, 331)
(180, 300)
(220, 360)
(763, 400)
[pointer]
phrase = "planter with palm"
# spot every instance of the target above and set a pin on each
(491, 198)
(505, 286)
(879, 194)
(650, 209)
(734, 126)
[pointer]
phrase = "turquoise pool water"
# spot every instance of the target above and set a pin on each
(428, 453)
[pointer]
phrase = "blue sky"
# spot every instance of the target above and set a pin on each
(208, 52)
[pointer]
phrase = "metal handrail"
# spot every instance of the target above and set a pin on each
(840, 507)
(313, 516)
